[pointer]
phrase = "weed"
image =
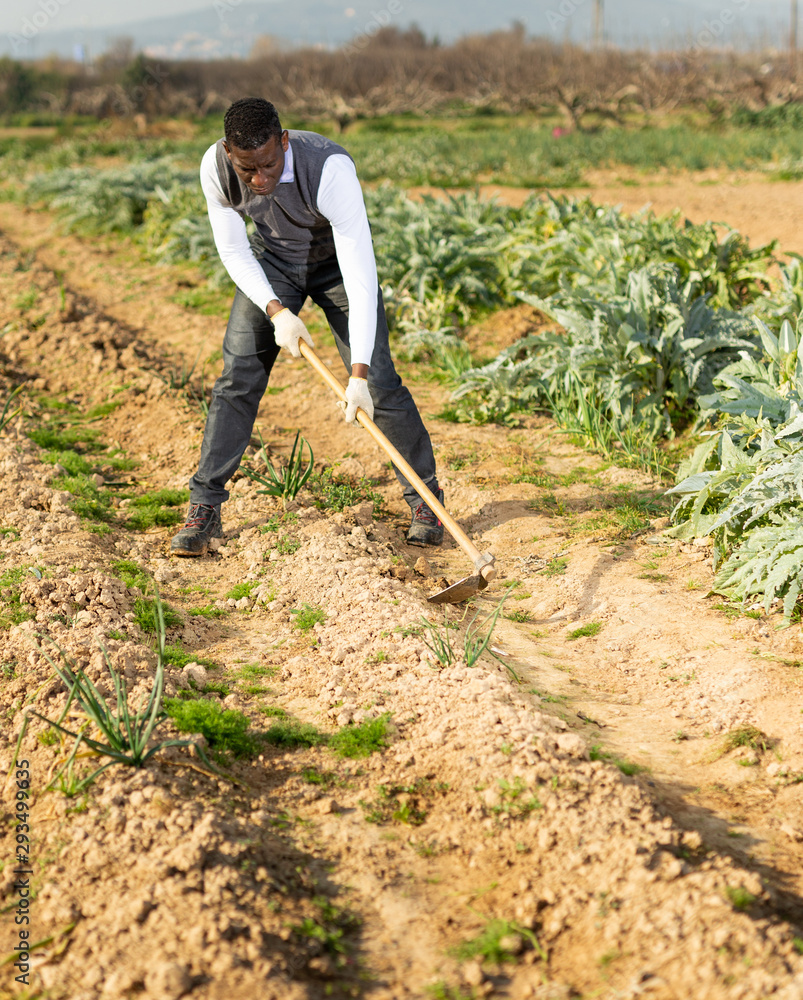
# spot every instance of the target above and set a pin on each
(442, 991)
(12, 609)
(176, 656)
(475, 640)
(334, 493)
(745, 736)
(627, 767)
(48, 738)
(361, 740)
(290, 734)
(147, 612)
(328, 930)
(555, 567)
(257, 670)
(208, 611)
(287, 545)
(515, 802)
(380, 656)
(519, 616)
(307, 617)
(226, 730)
(243, 589)
(739, 897)
(290, 479)
(88, 500)
(216, 687)
(591, 629)
(156, 509)
(500, 941)
(402, 803)
(7, 414)
(313, 776)
(132, 574)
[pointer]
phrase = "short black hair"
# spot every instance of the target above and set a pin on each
(251, 122)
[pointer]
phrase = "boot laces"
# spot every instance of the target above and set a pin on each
(424, 514)
(199, 515)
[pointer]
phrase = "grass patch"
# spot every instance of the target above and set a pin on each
(156, 509)
(334, 493)
(291, 734)
(242, 589)
(402, 803)
(519, 616)
(253, 670)
(500, 941)
(627, 767)
(739, 897)
(132, 574)
(146, 615)
(176, 656)
(12, 609)
(555, 567)
(208, 611)
(361, 740)
(89, 501)
(226, 730)
(307, 617)
(591, 629)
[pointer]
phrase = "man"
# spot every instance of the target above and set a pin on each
(312, 239)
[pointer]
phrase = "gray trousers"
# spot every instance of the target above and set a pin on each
(249, 352)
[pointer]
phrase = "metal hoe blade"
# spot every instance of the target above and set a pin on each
(460, 591)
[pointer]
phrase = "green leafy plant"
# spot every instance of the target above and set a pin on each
(361, 740)
(591, 629)
(499, 942)
(290, 479)
(126, 733)
(307, 616)
(225, 729)
(158, 508)
(7, 414)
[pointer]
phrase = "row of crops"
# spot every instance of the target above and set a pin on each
(660, 329)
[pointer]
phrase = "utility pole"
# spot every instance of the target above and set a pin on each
(599, 29)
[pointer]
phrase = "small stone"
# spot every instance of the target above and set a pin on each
(422, 567)
(168, 981)
(328, 806)
(98, 480)
(473, 974)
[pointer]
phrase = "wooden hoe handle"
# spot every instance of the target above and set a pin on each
(483, 563)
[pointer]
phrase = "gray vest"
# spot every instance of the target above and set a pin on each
(288, 222)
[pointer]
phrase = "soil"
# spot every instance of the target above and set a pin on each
(575, 799)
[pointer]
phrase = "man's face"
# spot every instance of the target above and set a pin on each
(259, 169)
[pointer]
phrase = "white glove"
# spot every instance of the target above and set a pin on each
(357, 394)
(288, 329)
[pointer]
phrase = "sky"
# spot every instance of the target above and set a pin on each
(553, 17)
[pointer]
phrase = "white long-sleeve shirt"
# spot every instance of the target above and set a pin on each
(340, 201)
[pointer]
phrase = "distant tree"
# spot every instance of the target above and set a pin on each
(17, 86)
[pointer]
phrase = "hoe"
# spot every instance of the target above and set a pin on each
(484, 569)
